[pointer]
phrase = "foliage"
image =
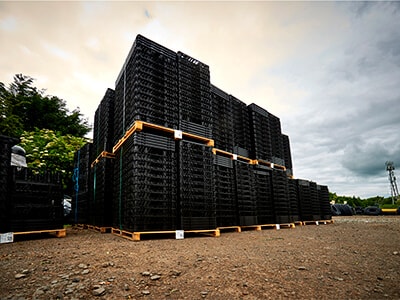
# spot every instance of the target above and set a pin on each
(23, 107)
(357, 201)
(49, 150)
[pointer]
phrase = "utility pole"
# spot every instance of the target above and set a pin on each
(392, 179)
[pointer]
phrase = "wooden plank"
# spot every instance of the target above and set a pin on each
(136, 236)
(58, 232)
(230, 228)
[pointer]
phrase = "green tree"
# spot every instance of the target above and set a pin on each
(23, 107)
(49, 150)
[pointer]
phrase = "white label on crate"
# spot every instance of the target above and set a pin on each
(178, 134)
(316, 222)
(272, 165)
(278, 226)
(325, 223)
(6, 237)
(179, 234)
(234, 156)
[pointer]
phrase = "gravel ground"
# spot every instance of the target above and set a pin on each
(356, 257)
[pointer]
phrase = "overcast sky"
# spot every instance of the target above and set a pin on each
(329, 70)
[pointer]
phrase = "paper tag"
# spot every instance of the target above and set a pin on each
(234, 157)
(7, 237)
(278, 226)
(178, 134)
(316, 222)
(179, 234)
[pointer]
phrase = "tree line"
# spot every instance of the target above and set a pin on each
(48, 131)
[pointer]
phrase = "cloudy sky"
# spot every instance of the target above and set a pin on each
(329, 70)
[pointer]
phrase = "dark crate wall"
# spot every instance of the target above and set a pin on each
(264, 195)
(225, 192)
(246, 202)
(146, 88)
(222, 119)
(6, 144)
(145, 184)
(103, 132)
(195, 103)
(197, 204)
(83, 183)
(241, 127)
(36, 200)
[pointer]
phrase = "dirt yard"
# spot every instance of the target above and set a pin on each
(354, 258)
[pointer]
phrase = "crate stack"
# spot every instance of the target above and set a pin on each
(6, 143)
(101, 188)
(280, 196)
(263, 194)
(36, 200)
(323, 198)
(196, 198)
(82, 184)
(276, 140)
(261, 133)
(195, 103)
(146, 88)
(225, 191)
(241, 128)
(103, 131)
(315, 203)
(246, 202)
(293, 200)
(222, 119)
(166, 173)
(305, 198)
(145, 183)
(287, 155)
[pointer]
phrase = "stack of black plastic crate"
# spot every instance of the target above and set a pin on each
(145, 183)
(147, 87)
(246, 202)
(293, 197)
(323, 198)
(287, 155)
(305, 196)
(101, 188)
(222, 119)
(240, 128)
(195, 103)
(315, 203)
(280, 196)
(276, 140)
(196, 198)
(6, 144)
(82, 185)
(225, 191)
(263, 194)
(36, 200)
(260, 132)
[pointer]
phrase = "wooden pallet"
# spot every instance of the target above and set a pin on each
(319, 222)
(99, 229)
(265, 226)
(136, 236)
(140, 125)
(58, 232)
(103, 154)
(230, 228)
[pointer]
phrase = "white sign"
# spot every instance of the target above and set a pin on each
(6, 237)
(179, 235)
(178, 134)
